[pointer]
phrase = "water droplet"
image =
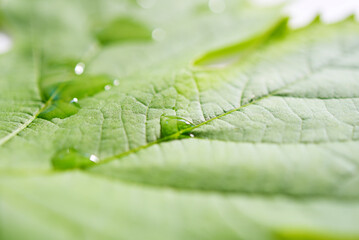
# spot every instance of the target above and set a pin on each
(107, 87)
(94, 158)
(172, 124)
(59, 109)
(191, 135)
(217, 6)
(5, 43)
(80, 68)
(146, 3)
(71, 159)
(116, 82)
(64, 96)
(158, 34)
(74, 100)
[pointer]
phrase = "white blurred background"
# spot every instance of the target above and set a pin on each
(302, 12)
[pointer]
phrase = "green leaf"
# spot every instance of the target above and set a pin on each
(229, 126)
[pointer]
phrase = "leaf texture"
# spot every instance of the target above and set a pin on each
(232, 126)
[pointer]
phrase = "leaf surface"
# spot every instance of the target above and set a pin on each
(229, 126)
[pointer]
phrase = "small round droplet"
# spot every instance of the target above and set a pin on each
(146, 3)
(80, 68)
(74, 100)
(191, 135)
(116, 82)
(158, 34)
(217, 6)
(94, 158)
(5, 43)
(108, 87)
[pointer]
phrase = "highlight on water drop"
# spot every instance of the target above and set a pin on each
(116, 82)
(6, 43)
(94, 158)
(80, 68)
(74, 100)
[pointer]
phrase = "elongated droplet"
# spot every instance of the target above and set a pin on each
(80, 68)
(65, 95)
(171, 125)
(60, 109)
(71, 159)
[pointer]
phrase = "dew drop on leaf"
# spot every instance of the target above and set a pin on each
(59, 109)
(80, 68)
(94, 158)
(171, 125)
(63, 97)
(116, 82)
(71, 159)
(107, 87)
